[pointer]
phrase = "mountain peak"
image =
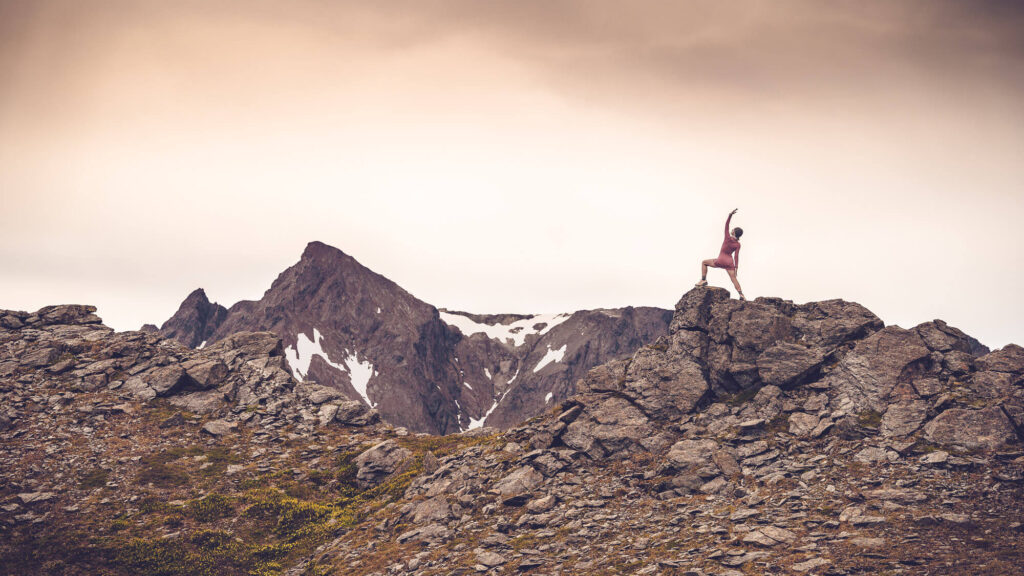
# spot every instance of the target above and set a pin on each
(195, 320)
(318, 250)
(196, 296)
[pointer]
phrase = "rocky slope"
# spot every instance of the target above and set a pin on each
(754, 438)
(349, 328)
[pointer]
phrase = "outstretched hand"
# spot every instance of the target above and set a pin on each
(734, 210)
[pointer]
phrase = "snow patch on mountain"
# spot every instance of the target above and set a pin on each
(551, 356)
(516, 331)
(301, 356)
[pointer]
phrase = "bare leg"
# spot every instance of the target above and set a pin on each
(704, 272)
(735, 282)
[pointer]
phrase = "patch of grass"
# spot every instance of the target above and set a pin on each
(210, 508)
(870, 419)
(96, 478)
(162, 474)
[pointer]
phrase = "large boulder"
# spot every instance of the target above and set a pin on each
(693, 311)
(354, 413)
(167, 380)
(206, 372)
(379, 462)
(904, 418)
(515, 488)
(787, 363)
(610, 426)
(941, 337)
(1009, 359)
(665, 385)
(690, 453)
(868, 375)
(986, 429)
(75, 314)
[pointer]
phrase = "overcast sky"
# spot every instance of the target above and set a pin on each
(519, 156)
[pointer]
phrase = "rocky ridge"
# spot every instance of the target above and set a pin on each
(755, 437)
(438, 371)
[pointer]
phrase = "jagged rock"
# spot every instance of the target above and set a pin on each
(140, 388)
(787, 364)
(693, 311)
(489, 559)
(939, 336)
(867, 542)
(664, 386)
(206, 373)
(166, 380)
(1009, 358)
(68, 314)
(770, 536)
(40, 358)
(33, 497)
(200, 402)
(904, 418)
(801, 424)
(435, 509)
(430, 462)
(431, 533)
(219, 427)
(246, 346)
(811, 564)
(874, 454)
(988, 428)
(355, 413)
(542, 504)
(327, 414)
(515, 488)
(868, 375)
(688, 453)
(936, 457)
(614, 427)
(324, 394)
(379, 462)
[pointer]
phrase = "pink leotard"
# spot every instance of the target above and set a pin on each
(729, 245)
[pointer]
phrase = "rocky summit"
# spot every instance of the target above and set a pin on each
(759, 437)
(439, 371)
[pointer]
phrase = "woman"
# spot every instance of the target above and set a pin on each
(730, 245)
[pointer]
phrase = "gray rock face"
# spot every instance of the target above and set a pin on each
(904, 418)
(869, 374)
(611, 427)
(219, 427)
(802, 424)
(689, 453)
(988, 428)
(379, 462)
(1008, 359)
(517, 486)
(787, 364)
(355, 413)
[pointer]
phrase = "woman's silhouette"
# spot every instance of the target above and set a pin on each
(725, 260)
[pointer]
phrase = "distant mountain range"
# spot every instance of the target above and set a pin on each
(428, 369)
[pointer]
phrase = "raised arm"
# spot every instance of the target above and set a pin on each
(727, 220)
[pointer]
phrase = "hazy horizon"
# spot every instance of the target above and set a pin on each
(520, 157)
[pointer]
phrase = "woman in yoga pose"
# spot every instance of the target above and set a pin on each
(725, 259)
